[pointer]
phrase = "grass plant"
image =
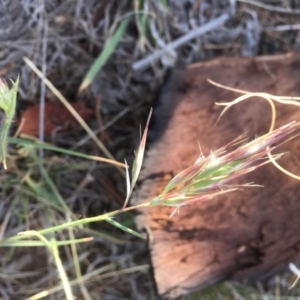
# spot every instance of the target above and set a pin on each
(8, 100)
(34, 211)
(209, 177)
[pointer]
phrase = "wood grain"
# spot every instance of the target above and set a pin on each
(248, 234)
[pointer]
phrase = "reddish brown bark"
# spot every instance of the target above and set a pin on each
(248, 234)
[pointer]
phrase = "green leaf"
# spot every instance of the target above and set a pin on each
(122, 227)
(107, 51)
(42, 192)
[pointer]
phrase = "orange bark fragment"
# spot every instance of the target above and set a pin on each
(57, 117)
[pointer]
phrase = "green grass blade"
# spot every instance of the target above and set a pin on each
(42, 192)
(108, 49)
(53, 249)
(164, 3)
(54, 191)
(47, 146)
(126, 229)
(20, 243)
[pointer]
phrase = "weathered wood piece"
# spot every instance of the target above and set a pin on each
(248, 234)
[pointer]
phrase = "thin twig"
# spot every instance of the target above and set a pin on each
(271, 7)
(283, 27)
(147, 61)
(43, 89)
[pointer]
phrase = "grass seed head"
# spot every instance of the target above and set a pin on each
(207, 177)
(8, 99)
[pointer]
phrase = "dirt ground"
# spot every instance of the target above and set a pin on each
(63, 40)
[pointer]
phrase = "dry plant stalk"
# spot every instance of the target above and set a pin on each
(270, 99)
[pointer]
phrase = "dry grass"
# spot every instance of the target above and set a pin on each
(63, 39)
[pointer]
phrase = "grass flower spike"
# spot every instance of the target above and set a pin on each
(209, 176)
(137, 163)
(8, 99)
